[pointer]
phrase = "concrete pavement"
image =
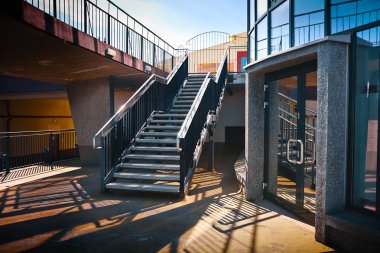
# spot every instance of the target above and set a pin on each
(67, 213)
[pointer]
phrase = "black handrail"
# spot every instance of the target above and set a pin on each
(26, 148)
(201, 117)
(113, 26)
(118, 134)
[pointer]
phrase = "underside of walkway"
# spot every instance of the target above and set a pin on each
(67, 213)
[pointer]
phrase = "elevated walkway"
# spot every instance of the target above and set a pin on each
(63, 47)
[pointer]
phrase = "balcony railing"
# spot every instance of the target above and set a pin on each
(105, 21)
(21, 149)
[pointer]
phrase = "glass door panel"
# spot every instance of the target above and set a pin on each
(291, 120)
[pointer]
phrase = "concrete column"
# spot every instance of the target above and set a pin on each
(90, 103)
(331, 133)
(254, 135)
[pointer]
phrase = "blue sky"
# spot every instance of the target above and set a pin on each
(176, 21)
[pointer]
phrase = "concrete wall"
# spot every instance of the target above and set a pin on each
(232, 113)
(90, 103)
(3, 112)
(331, 132)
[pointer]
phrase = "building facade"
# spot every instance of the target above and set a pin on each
(312, 107)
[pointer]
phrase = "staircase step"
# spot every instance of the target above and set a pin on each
(143, 187)
(157, 141)
(190, 90)
(181, 106)
(170, 115)
(186, 97)
(149, 166)
(152, 157)
(148, 176)
(163, 121)
(179, 110)
(154, 149)
(183, 102)
(159, 134)
(153, 127)
(184, 93)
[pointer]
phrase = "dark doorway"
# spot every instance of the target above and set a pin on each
(234, 137)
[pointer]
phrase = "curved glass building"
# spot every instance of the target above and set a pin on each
(312, 110)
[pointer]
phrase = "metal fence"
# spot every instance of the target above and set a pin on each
(105, 21)
(206, 51)
(20, 149)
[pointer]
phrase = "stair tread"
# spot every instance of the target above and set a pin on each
(152, 157)
(174, 115)
(162, 141)
(149, 166)
(162, 127)
(159, 134)
(143, 187)
(148, 176)
(154, 149)
(165, 121)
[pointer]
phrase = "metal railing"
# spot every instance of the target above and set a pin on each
(107, 22)
(288, 115)
(206, 50)
(156, 94)
(20, 149)
(201, 117)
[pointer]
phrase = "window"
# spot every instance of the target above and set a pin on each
(252, 15)
(252, 46)
(349, 14)
(262, 6)
(262, 39)
(365, 163)
(280, 28)
(308, 21)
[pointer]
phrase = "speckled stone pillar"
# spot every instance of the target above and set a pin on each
(254, 135)
(90, 108)
(331, 133)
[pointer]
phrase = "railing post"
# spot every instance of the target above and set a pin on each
(51, 139)
(102, 165)
(142, 47)
(182, 169)
(55, 8)
(108, 29)
(154, 56)
(84, 16)
(211, 150)
(127, 42)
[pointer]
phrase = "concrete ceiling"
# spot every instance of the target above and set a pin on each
(30, 53)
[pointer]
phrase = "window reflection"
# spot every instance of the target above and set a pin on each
(262, 39)
(252, 13)
(366, 119)
(308, 21)
(280, 28)
(346, 15)
(252, 46)
(262, 6)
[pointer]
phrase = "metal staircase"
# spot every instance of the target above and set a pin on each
(153, 143)
(152, 163)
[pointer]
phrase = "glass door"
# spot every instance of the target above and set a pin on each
(291, 118)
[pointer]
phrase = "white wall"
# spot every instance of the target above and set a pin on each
(232, 113)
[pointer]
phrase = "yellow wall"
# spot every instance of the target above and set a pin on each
(40, 107)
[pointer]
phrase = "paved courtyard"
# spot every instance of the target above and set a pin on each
(66, 212)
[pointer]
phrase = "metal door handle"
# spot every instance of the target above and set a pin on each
(288, 152)
(313, 152)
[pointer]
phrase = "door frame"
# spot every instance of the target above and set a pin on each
(300, 71)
